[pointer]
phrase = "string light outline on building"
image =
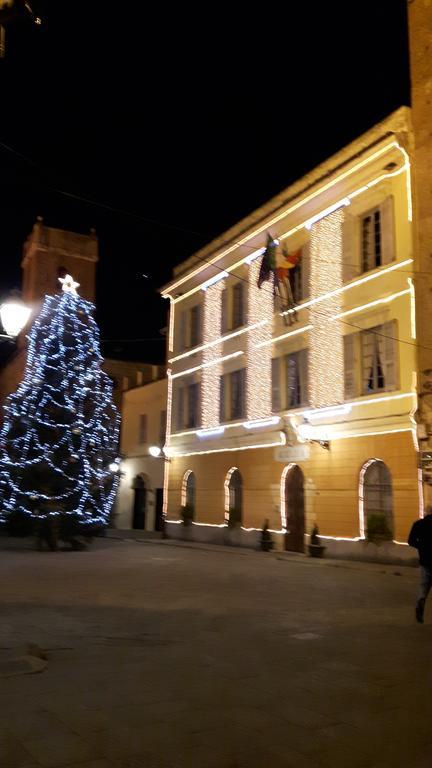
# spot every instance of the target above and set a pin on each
(295, 412)
(207, 364)
(212, 363)
(213, 280)
(227, 481)
(284, 474)
(210, 432)
(282, 441)
(378, 273)
(370, 304)
(412, 308)
(302, 225)
(184, 487)
(219, 340)
(260, 423)
(271, 222)
(326, 212)
(328, 412)
(305, 305)
(275, 339)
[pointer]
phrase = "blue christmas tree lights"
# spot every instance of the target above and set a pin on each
(60, 430)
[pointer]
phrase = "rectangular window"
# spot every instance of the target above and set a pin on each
(371, 240)
(162, 427)
(193, 405)
(182, 331)
(379, 358)
(142, 433)
(296, 379)
(125, 383)
(238, 308)
(237, 383)
(180, 408)
(224, 311)
(350, 366)
(222, 399)
(275, 374)
(195, 325)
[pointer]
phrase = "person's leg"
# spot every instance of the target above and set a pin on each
(425, 587)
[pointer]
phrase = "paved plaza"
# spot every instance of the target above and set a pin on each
(164, 656)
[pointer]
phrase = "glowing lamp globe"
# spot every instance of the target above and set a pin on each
(155, 451)
(114, 467)
(14, 316)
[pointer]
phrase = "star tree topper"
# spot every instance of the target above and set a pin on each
(69, 285)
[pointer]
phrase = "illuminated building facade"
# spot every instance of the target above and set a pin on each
(303, 416)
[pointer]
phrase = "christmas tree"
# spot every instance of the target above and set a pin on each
(60, 430)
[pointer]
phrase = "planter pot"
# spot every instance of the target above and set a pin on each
(316, 550)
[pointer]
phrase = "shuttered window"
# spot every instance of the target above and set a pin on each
(377, 236)
(379, 358)
(195, 325)
(238, 305)
(237, 383)
(193, 405)
(296, 389)
(349, 366)
(275, 375)
(142, 430)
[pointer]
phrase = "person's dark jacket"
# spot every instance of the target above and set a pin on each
(421, 538)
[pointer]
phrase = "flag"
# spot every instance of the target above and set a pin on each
(268, 261)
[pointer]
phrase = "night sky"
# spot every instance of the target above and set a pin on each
(180, 122)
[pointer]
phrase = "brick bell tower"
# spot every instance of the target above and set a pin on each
(49, 254)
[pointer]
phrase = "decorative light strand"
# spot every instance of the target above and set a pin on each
(184, 487)
(211, 366)
(258, 401)
(60, 432)
(326, 354)
(227, 492)
(208, 364)
(283, 214)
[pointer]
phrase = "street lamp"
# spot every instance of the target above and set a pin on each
(114, 467)
(158, 453)
(14, 315)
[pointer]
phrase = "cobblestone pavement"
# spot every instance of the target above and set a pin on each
(164, 657)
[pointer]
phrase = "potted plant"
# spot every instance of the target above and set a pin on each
(316, 549)
(378, 529)
(234, 520)
(187, 514)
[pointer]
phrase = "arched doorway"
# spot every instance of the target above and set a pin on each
(234, 497)
(294, 509)
(139, 502)
(188, 494)
(376, 500)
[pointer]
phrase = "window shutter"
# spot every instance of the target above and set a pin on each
(238, 316)
(387, 231)
(291, 378)
(349, 366)
(275, 374)
(389, 331)
(303, 373)
(367, 352)
(242, 392)
(349, 258)
(222, 399)
(224, 311)
(195, 325)
(182, 339)
(305, 268)
(180, 408)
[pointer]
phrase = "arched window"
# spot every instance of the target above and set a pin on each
(376, 501)
(188, 490)
(292, 507)
(233, 497)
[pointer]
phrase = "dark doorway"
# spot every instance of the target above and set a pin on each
(159, 510)
(139, 503)
(294, 500)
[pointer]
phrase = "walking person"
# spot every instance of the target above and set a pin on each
(421, 538)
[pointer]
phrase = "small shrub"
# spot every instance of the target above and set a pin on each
(378, 528)
(187, 514)
(234, 520)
